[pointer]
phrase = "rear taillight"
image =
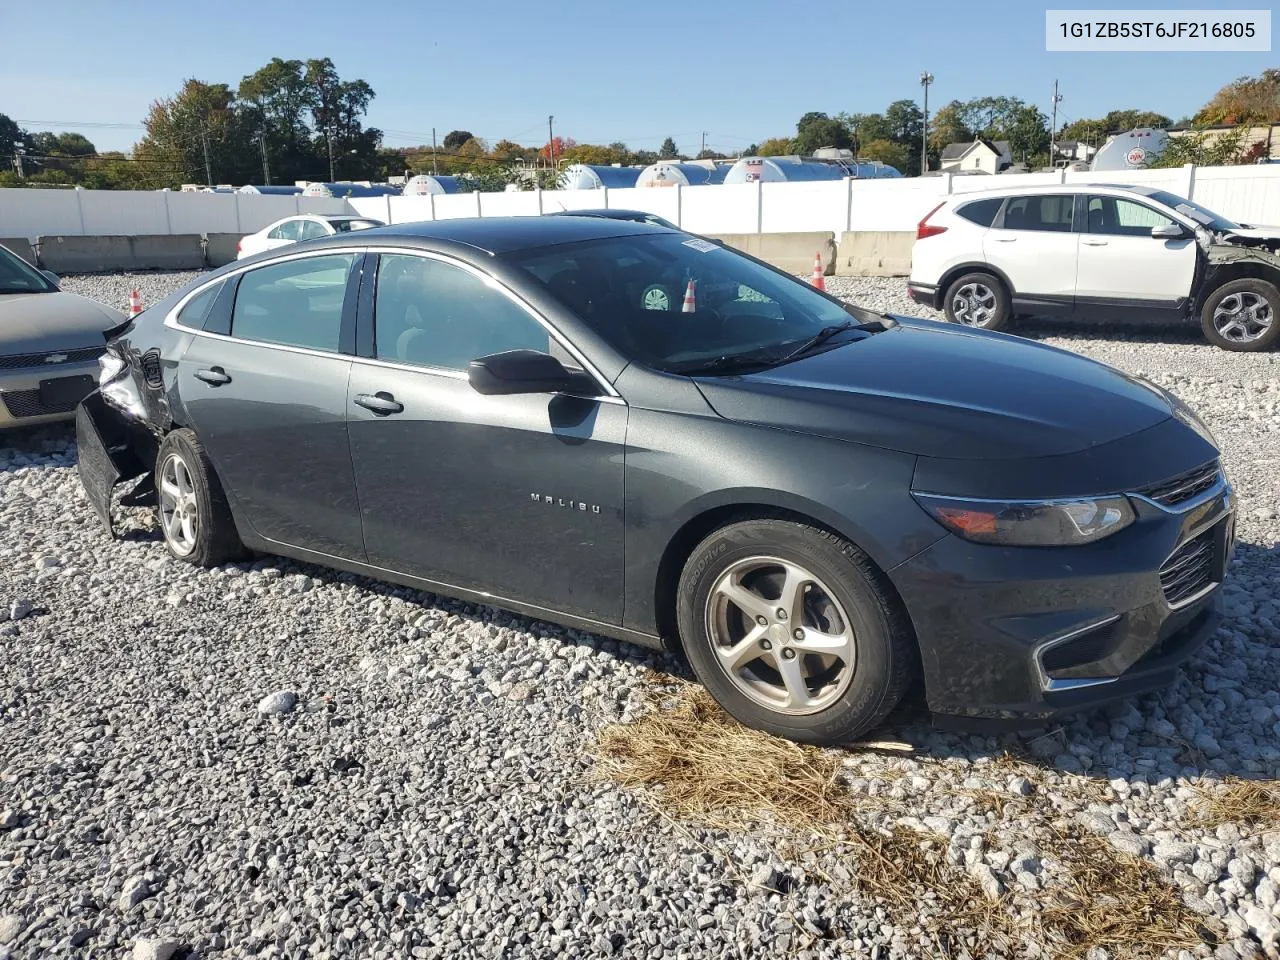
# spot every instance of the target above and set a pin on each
(925, 229)
(239, 245)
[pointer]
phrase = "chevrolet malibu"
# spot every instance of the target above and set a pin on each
(816, 504)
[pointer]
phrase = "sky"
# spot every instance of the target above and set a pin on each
(739, 71)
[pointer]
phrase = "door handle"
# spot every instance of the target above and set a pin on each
(1094, 243)
(381, 403)
(214, 376)
(1005, 239)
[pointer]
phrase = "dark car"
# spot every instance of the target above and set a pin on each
(814, 502)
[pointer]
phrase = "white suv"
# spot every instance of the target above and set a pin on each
(1100, 252)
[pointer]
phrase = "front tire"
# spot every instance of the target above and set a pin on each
(191, 507)
(1242, 315)
(793, 631)
(978, 300)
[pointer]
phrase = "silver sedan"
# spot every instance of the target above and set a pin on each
(50, 342)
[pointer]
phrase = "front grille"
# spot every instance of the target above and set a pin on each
(20, 361)
(27, 403)
(1184, 486)
(1189, 570)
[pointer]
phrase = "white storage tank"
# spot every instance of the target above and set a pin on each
(668, 173)
(425, 184)
(349, 190)
(278, 189)
(783, 169)
(586, 176)
(1131, 150)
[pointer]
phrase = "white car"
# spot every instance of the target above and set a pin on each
(1098, 251)
(301, 227)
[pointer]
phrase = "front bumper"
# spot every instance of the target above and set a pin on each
(1020, 635)
(23, 402)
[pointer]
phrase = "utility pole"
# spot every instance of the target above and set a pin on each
(926, 78)
(1053, 125)
(551, 141)
(328, 139)
(204, 142)
(266, 173)
(435, 164)
(704, 142)
(17, 156)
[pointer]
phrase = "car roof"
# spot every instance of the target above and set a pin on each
(1051, 188)
(498, 235)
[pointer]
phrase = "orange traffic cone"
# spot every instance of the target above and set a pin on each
(690, 299)
(818, 281)
(135, 303)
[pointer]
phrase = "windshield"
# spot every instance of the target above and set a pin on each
(346, 226)
(1201, 215)
(632, 291)
(16, 276)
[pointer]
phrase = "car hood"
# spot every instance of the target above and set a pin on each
(31, 322)
(943, 391)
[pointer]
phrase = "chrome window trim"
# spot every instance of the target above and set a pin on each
(494, 283)
(609, 394)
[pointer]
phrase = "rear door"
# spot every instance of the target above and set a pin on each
(1033, 244)
(1125, 271)
(517, 496)
(264, 385)
(284, 234)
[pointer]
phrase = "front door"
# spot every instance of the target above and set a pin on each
(267, 397)
(1031, 242)
(516, 496)
(1123, 270)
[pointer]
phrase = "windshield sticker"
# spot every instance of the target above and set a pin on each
(1192, 212)
(703, 246)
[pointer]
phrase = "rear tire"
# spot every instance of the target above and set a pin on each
(1243, 315)
(835, 654)
(978, 300)
(191, 507)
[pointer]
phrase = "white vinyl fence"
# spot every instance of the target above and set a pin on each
(1250, 194)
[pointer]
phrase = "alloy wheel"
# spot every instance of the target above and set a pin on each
(974, 305)
(179, 511)
(1242, 317)
(780, 635)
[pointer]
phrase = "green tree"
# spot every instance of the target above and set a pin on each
(1028, 134)
(509, 150)
(775, 147)
(1210, 148)
(816, 130)
(905, 121)
(886, 151)
(179, 130)
(668, 150)
(1118, 121)
(10, 134)
(1250, 100)
(277, 103)
(456, 138)
(865, 128)
(949, 125)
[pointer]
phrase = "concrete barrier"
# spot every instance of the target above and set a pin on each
(792, 252)
(21, 246)
(875, 253)
(220, 248)
(103, 254)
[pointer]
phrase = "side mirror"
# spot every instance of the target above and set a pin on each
(52, 277)
(1168, 231)
(524, 371)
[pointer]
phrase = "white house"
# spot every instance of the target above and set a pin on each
(981, 156)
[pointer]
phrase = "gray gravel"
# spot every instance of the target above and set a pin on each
(276, 760)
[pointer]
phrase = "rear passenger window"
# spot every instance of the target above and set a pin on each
(197, 308)
(286, 231)
(981, 212)
(297, 303)
(1050, 212)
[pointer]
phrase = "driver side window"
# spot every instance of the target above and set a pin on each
(435, 314)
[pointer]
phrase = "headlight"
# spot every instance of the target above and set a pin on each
(110, 365)
(1030, 523)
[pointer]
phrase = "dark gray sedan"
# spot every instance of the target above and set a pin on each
(815, 503)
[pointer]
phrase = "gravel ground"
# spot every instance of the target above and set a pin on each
(275, 760)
